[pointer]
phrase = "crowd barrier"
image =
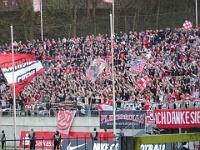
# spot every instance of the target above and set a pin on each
(188, 141)
(80, 142)
(45, 113)
(52, 112)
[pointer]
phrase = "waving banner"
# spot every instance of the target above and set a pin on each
(137, 65)
(143, 83)
(65, 119)
(177, 118)
(187, 25)
(26, 67)
(36, 5)
(97, 67)
(124, 119)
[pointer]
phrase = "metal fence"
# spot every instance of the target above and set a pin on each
(112, 142)
(46, 113)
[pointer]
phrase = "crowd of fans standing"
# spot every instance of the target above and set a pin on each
(172, 65)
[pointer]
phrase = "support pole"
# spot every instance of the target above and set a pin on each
(41, 20)
(196, 14)
(13, 80)
(113, 78)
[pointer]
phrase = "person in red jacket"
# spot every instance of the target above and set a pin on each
(105, 135)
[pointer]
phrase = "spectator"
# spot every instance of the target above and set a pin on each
(94, 134)
(105, 136)
(32, 138)
(57, 140)
(172, 66)
(3, 139)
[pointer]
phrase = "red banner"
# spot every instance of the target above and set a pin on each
(47, 143)
(26, 67)
(177, 118)
(65, 119)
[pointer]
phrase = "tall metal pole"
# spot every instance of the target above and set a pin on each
(41, 20)
(113, 78)
(113, 15)
(13, 80)
(196, 14)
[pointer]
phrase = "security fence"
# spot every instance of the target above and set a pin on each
(69, 143)
(189, 141)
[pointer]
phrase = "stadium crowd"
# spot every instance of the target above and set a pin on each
(172, 66)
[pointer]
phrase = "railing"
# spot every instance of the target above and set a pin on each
(82, 143)
(46, 113)
(52, 112)
(112, 143)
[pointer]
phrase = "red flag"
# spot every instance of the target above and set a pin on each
(26, 67)
(187, 25)
(108, 1)
(65, 119)
(36, 5)
(142, 83)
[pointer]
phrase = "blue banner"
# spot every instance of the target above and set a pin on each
(124, 119)
(90, 145)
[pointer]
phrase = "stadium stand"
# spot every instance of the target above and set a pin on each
(172, 64)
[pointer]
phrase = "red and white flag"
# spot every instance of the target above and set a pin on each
(65, 119)
(150, 119)
(143, 83)
(187, 25)
(108, 1)
(137, 65)
(26, 67)
(36, 5)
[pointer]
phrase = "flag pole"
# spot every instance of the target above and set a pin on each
(112, 48)
(41, 20)
(113, 16)
(196, 14)
(13, 80)
(113, 79)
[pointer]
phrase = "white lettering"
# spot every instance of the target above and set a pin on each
(96, 146)
(152, 147)
(105, 146)
(169, 118)
(192, 117)
(157, 115)
(163, 118)
(198, 117)
(182, 117)
(187, 117)
(112, 146)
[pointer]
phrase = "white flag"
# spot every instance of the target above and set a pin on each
(108, 1)
(36, 5)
